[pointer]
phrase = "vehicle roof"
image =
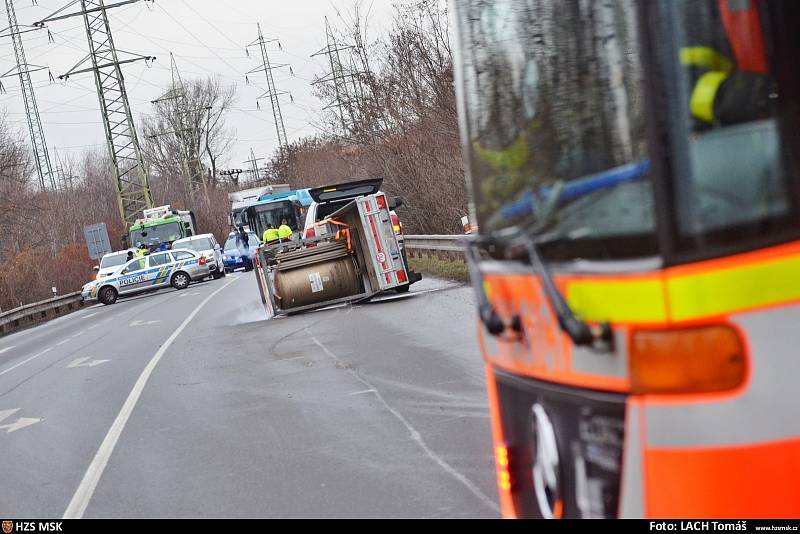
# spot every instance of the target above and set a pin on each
(301, 195)
(198, 236)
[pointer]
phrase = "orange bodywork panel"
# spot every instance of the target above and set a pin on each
(754, 480)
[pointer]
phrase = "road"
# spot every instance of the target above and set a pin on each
(191, 404)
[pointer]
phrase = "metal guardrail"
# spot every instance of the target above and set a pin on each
(449, 247)
(442, 246)
(37, 312)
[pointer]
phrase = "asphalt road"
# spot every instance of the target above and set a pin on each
(191, 404)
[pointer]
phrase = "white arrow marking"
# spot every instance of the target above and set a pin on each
(5, 349)
(84, 362)
(22, 422)
(143, 323)
(5, 414)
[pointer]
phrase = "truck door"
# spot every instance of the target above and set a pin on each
(382, 241)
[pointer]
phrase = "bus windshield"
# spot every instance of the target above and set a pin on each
(156, 235)
(555, 124)
(272, 215)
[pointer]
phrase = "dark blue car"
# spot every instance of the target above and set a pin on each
(236, 256)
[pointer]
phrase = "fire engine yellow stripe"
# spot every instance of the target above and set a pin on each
(621, 301)
(697, 296)
(687, 297)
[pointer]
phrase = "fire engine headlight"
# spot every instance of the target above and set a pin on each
(687, 360)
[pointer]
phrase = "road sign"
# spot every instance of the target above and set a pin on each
(97, 240)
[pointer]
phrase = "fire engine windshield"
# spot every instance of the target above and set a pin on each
(155, 235)
(555, 123)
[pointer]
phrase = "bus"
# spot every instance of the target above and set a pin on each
(271, 209)
(634, 168)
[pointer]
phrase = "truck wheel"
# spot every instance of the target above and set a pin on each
(108, 295)
(180, 280)
(403, 289)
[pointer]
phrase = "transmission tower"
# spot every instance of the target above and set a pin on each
(130, 174)
(343, 81)
(23, 70)
(184, 122)
(272, 92)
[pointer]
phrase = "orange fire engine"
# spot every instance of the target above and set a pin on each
(634, 167)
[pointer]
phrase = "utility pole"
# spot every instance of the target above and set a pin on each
(23, 69)
(130, 174)
(184, 122)
(272, 92)
(342, 80)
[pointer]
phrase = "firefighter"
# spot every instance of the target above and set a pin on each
(271, 235)
(727, 63)
(284, 231)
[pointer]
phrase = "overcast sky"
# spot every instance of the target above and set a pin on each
(207, 37)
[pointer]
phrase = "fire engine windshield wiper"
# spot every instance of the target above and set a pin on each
(580, 332)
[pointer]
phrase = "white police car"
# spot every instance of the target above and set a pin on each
(176, 268)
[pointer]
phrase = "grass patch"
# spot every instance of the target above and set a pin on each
(446, 269)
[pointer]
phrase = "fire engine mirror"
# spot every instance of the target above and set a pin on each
(395, 202)
(96, 268)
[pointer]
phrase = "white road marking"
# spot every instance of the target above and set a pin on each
(62, 342)
(7, 349)
(361, 392)
(22, 422)
(415, 435)
(45, 351)
(80, 500)
(84, 362)
(90, 315)
(143, 323)
(188, 295)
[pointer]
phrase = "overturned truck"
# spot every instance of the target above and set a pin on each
(354, 256)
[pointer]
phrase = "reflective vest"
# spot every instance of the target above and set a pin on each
(141, 252)
(284, 232)
(270, 235)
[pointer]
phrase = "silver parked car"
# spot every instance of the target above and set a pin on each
(206, 245)
(176, 268)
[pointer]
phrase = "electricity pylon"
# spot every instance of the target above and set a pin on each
(23, 70)
(272, 92)
(130, 174)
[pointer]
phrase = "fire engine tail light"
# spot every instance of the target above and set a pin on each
(503, 472)
(401, 276)
(381, 201)
(310, 232)
(202, 260)
(689, 360)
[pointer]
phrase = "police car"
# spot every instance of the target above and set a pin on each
(176, 268)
